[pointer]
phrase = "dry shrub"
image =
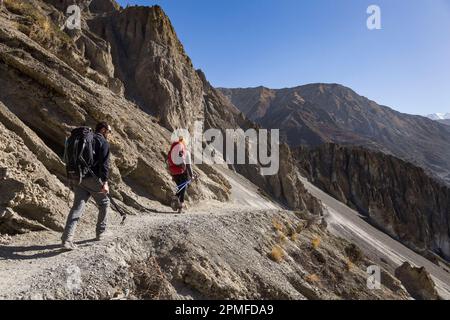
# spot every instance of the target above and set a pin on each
(315, 242)
(277, 254)
(349, 266)
(354, 253)
(150, 282)
(300, 227)
(312, 278)
(290, 229)
(294, 237)
(278, 226)
(282, 239)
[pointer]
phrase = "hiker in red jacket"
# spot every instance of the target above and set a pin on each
(180, 167)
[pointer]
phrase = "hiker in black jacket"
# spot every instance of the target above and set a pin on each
(94, 184)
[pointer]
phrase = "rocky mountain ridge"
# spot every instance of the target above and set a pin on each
(330, 113)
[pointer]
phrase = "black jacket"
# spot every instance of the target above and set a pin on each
(101, 157)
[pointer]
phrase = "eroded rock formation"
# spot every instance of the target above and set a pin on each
(396, 196)
(417, 282)
(151, 62)
(46, 93)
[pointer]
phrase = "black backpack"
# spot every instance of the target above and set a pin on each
(79, 153)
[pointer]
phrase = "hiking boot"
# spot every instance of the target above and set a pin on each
(69, 246)
(181, 208)
(100, 237)
(175, 203)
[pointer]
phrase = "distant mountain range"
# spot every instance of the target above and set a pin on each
(315, 114)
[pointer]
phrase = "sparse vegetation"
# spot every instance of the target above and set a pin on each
(300, 227)
(290, 229)
(22, 8)
(294, 237)
(278, 225)
(277, 254)
(282, 238)
(38, 26)
(354, 253)
(315, 242)
(312, 278)
(149, 279)
(349, 265)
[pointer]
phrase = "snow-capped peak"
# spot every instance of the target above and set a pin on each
(439, 116)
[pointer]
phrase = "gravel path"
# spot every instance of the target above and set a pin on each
(33, 253)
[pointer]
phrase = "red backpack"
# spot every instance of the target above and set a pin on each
(176, 169)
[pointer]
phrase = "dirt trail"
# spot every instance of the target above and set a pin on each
(32, 254)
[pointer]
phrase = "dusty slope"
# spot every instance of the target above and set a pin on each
(396, 196)
(283, 186)
(385, 251)
(204, 254)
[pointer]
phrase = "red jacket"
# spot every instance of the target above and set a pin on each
(176, 155)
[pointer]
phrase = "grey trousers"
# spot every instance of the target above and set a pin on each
(89, 187)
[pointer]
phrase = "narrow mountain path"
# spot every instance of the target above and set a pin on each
(33, 254)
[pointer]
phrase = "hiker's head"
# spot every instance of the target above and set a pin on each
(181, 140)
(103, 128)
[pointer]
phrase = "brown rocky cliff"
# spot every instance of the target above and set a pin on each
(151, 62)
(31, 198)
(396, 196)
(44, 95)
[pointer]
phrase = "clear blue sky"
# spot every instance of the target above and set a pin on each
(285, 43)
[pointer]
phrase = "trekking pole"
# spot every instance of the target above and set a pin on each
(183, 186)
(122, 214)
